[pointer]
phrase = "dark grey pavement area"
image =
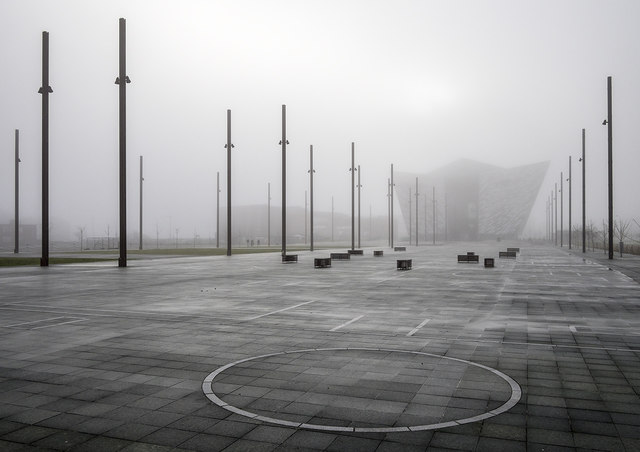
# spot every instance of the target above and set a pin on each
(541, 352)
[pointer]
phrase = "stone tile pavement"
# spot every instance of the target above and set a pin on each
(245, 353)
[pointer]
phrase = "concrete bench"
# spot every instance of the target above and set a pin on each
(289, 258)
(403, 264)
(515, 250)
(507, 254)
(340, 256)
(378, 253)
(489, 262)
(322, 262)
(400, 248)
(357, 252)
(468, 258)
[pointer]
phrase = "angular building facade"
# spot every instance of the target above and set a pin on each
(473, 200)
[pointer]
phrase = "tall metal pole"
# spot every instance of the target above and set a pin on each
(556, 213)
(547, 219)
(268, 213)
(229, 145)
(391, 197)
(434, 215)
(359, 187)
(561, 210)
(425, 218)
(305, 216)
(45, 89)
(217, 209)
(584, 233)
(569, 202)
(141, 180)
(410, 221)
(610, 164)
(122, 81)
(16, 242)
(311, 171)
(389, 211)
(551, 218)
(353, 176)
(417, 199)
(283, 142)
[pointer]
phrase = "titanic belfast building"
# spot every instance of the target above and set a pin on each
(469, 200)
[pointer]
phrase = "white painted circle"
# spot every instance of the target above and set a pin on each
(516, 394)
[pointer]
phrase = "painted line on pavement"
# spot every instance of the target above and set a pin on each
(279, 310)
(355, 319)
(415, 330)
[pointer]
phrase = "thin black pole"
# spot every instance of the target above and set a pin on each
(551, 218)
(16, 225)
(410, 219)
(556, 214)
(45, 90)
(561, 210)
(229, 146)
(311, 171)
(283, 142)
(359, 187)
(391, 198)
(584, 233)
(610, 164)
(217, 209)
(417, 199)
(389, 211)
(569, 202)
(122, 81)
(353, 176)
(547, 219)
(268, 213)
(141, 180)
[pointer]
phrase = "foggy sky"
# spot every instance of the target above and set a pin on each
(415, 83)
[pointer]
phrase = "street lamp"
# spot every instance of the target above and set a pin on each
(584, 234)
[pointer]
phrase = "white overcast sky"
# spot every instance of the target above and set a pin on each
(414, 83)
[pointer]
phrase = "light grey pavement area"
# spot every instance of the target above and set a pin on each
(541, 352)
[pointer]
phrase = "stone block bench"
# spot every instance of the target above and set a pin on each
(322, 262)
(403, 264)
(340, 256)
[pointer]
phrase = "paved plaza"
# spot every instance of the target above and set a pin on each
(236, 353)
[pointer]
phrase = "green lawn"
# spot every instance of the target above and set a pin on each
(11, 261)
(35, 261)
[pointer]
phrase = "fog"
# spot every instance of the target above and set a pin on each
(418, 84)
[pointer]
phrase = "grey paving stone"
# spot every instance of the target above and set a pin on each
(63, 440)
(29, 434)
(207, 443)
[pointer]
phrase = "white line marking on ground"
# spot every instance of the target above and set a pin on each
(279, 310)
(355, 319)
(33, 321)
(415, 330)
(58, 324)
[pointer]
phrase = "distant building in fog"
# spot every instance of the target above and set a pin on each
(474, 200)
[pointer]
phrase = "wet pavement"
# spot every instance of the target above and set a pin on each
(541, 352)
